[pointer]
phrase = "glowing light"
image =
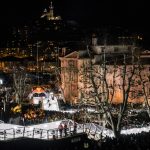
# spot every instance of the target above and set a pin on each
(51, 93)
(45, 126)
(38, 90)
(1, 81)
(31, 128)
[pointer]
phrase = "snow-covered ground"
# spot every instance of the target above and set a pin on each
(41, 131)
(48, 130)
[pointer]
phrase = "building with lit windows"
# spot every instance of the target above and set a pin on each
(77, 73)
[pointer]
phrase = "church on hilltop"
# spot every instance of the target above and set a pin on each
(49, 13)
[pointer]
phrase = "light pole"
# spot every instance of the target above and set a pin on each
(37, 44)
(2, 109)
(37, 59)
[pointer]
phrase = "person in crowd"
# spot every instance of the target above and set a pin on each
(65, 129)
(60, 128)
(75, 128)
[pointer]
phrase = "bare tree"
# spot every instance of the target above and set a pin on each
(58, 82)
(106, 81)
(144, 76)
(19, 83)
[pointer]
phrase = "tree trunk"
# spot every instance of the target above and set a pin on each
(116, 131)
(17, 98)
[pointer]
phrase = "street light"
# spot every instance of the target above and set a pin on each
(1, 81)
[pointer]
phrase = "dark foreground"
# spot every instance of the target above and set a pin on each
(80, 142)
(76, 142)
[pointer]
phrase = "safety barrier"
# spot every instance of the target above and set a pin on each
(91, 129)
(30, 132)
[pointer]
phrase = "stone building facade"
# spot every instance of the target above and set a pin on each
(99, 71)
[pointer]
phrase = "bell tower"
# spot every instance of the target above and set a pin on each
(50, 16)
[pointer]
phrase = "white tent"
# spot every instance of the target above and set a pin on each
(48, 100)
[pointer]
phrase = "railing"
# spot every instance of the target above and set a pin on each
(91, 129)
(11, 133)
(7, 133)
(30, 132)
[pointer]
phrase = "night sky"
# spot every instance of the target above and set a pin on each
(132, 14)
